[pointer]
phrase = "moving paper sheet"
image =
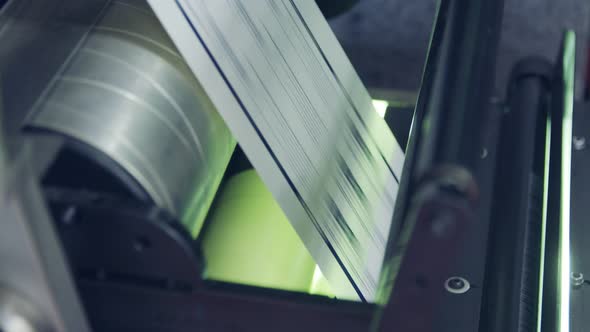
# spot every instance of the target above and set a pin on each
(284, 86)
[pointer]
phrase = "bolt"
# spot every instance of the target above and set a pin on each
(579, 143)
(577, 279)
(457, 285)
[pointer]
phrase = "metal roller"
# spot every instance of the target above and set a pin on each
(127, 93)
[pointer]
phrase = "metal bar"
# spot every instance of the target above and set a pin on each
(448, 134)
(557, 263)
(220, 307)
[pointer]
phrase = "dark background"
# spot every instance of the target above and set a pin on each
(387, 40)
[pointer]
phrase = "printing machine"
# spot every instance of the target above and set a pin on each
(101, 236)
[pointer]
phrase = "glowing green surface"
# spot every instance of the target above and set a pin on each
(250, 240)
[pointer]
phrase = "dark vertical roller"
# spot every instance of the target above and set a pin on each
(451, 127)
(511, 286)
(451, 117)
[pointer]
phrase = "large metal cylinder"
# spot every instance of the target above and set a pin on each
(127, 93)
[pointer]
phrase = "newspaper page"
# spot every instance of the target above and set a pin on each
(284, 86)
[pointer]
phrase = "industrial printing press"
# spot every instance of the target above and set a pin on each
(218, 165)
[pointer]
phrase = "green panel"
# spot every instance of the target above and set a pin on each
(250, 241)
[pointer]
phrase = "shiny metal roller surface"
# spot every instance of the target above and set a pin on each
(128, 93)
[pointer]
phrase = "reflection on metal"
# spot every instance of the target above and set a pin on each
(484, 153)
(32, 265)
(17, 314)
(128, 93)
(35, 42)
(396, 98)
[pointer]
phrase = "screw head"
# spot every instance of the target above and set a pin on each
(579, 143)
(577, 279)
(457, 285)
